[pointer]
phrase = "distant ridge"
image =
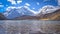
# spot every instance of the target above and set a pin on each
(50, 16)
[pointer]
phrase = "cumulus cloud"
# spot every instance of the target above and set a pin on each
(12, 1)
(30, 10)
(19, 1)
(38, 3)
(33, 8)
(27, 4)
(12, 7)
(15, 2)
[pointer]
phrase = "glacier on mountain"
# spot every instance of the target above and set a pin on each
(13, 12)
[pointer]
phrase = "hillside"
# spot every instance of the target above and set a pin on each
(50, 16)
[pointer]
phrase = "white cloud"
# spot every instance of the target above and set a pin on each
(15, 2)
(33, 8)
(25, 7)
(9, 8)
(19, 1)
(1, 5)
(38, 3)
(12, 1)
(12, 7)
(30, 10)
(27, 4)
(19, 7)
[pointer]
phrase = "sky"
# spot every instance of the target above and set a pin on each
(32, 4)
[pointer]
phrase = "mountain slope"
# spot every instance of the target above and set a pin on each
(13, 13)
(50, 16)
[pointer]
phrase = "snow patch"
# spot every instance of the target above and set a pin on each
(59, 2)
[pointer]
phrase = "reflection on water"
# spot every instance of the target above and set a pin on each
(29, 27)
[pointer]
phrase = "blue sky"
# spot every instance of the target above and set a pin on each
(33, 4)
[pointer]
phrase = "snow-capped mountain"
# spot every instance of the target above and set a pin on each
(16, 12)
(13, 12)
(48, 9)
